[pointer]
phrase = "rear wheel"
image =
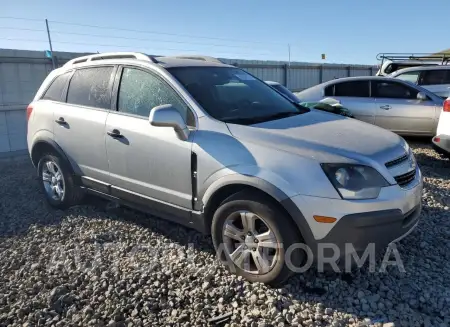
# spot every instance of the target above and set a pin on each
(56, 180)
(251, 235)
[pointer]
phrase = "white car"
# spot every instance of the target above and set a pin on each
(433, 78)
(441, 141)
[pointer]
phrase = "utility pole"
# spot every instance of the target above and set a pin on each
(50, 43)
(289, 53)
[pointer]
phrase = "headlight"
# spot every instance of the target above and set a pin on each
(355, 181)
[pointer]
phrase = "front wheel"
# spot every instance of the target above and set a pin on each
(251, 235)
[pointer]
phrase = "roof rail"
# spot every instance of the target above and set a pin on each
(420, 57)
(202, 58)
(111, 55)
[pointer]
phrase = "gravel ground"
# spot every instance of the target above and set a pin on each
(97, 265)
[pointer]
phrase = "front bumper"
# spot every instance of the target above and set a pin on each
(361, 223)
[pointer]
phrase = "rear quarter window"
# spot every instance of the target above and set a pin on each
(56, 88)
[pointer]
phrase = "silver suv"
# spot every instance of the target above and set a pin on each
(212, 147)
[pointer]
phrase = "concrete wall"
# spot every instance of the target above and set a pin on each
(22, 72)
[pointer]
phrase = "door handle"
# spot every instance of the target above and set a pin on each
(386, 107)
(114, 133)
(61, 121)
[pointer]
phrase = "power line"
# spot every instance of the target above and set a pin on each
(151, 40)
(139, 31)
(123, 37)
(21, 18)
(162, 33)
(122, 46)
(21, 29)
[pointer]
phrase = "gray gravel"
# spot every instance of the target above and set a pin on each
(97, 265)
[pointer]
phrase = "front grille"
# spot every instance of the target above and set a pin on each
(396, 161)
(405, 179)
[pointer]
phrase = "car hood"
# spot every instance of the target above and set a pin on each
(325, 137)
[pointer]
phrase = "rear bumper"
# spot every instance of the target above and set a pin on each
(443, 146)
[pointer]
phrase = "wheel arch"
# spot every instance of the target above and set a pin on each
(227, 186)
(43, 145)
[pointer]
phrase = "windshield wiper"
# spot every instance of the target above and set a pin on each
(278, 115)
(255, 120)
(240, 120)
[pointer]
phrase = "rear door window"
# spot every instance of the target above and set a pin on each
(409, 76)
(91, 87)
(359, 89)
(435, 77)
(393, 90)
(56, 89)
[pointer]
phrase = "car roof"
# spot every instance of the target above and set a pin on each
(137, 57)
(355, 78)
(168, 62)
(416, 68)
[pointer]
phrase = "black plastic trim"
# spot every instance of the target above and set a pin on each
(167, 211)
(194, 178)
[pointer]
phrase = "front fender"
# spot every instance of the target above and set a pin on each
(264, 180)
(254, 176)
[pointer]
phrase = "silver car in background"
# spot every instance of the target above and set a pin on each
(435, 79)
(393, 104)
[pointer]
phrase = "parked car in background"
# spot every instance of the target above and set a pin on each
(441, 141)
(393, 104)
(389, 67)
(433, 78)
(325, 105)
(283, 90)
(392, 62)
(329, 105)
(211, 147)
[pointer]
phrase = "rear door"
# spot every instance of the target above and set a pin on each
(399, 110)
(355, 96)
(437, 81)
(79, 124)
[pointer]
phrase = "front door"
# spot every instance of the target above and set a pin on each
(79, 124)
(399, 110)
(145, 160)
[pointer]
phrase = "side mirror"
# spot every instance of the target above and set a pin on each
(167, 116)
(422, 96)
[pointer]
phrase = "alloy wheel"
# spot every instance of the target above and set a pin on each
(250, 243)
(53, 180)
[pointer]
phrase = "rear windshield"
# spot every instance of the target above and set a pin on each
(232, 95)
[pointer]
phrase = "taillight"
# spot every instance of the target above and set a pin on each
(447, 105)
(29, 111)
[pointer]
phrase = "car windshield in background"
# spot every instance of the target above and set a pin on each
(283, 90)
(234, 96)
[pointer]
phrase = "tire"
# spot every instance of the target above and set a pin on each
(269, 218)
(62, 178)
